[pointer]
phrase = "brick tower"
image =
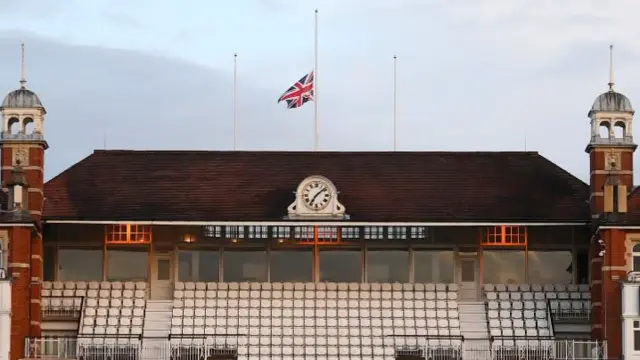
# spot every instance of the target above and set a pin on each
(610, 152)
(22, 144)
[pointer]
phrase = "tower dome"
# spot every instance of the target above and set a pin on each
(611, 101)
(22, 98)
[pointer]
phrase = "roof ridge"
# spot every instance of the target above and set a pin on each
(333, 152)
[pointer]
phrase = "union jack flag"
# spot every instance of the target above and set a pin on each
(299, 93)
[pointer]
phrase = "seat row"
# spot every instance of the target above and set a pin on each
(505, 295)
(316, 304)
(92, 293)
(317, 286)
(536, 287)
(94, 285)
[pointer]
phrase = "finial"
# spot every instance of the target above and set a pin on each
(611, 83)
(23, 79)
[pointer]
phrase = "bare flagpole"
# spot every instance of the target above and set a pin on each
(235, 99)
(611, 83)
(315, 82)
(395, 119)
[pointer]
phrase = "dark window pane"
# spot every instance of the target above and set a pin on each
(636, 340)
(503, 267)
(291, 266)
(164, 269)
(550, 267)
(127, 265)
(49, 266)
(468, 271)
(636, 263)
(245, 266)
(433, 266)
(80, 264)
(340, 266)
(583, 266)
(198, 265)
(387, 266)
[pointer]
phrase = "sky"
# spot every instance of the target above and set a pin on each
(491, 75)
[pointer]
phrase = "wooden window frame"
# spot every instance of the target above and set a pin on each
(504, 235)
(128, 234)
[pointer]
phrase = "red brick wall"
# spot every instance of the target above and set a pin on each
(22, 308)
(25, 256)
(606, 296)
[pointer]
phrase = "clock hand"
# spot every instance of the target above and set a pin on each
(313, 199)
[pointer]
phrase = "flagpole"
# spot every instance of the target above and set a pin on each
(235, 98)
(395, 119)
(315, 81)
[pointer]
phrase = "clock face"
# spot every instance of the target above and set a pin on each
(316, 195)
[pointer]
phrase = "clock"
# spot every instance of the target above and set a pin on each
(316, 195)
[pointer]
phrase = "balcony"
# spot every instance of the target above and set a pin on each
(58, 308)
(22, 136)
(625, 140)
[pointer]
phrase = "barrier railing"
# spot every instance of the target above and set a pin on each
(61, 307)
(237, 346)
(569, 310)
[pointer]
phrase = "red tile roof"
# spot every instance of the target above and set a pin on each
(260, 185)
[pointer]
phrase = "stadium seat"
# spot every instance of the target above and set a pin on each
(520, 313)
(324, 320)
(111, 314)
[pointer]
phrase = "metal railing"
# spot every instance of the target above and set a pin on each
(21, 136)
(570, 310)
(101, 348)
(62, 307)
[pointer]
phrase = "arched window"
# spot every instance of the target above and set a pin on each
(636, 257)
(604, 130)
(619, 130)
(13, 126)
(28, 125)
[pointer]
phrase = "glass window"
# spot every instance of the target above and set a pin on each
(636, 335)
(163, 269)
(340, 265)
(79, 264)
(198, 265)
(291, 266)
(242, 266)
(433, 266)
(636, 257)
(503, 267)
(583, 266)
(550, 267)
(387, 266)
(49, 265)
(127, 265)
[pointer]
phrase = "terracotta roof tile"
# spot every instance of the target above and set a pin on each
(373, 186)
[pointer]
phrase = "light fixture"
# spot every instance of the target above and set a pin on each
(234, 240)
(188, 238)
(280, 241)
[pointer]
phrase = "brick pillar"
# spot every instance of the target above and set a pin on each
(20, 270)
(596, 291)
(614, 269)
(36, 284)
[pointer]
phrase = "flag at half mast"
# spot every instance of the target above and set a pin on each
(299, 93)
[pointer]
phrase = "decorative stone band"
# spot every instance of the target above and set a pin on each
(19, 265)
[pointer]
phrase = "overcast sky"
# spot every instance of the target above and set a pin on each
(472, 75)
